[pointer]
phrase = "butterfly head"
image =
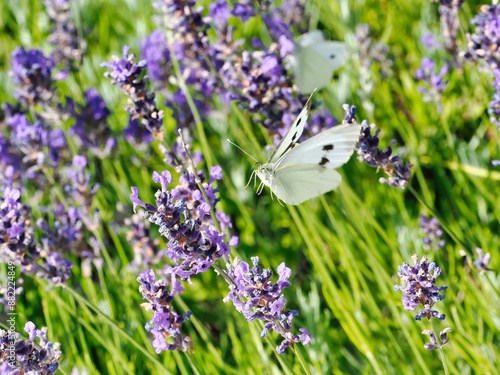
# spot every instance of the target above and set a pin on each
(265, 173)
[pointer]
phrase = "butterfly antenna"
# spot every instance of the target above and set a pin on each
(235, 145)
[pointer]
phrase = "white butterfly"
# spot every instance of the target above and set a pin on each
(296, 172)
(315, 60)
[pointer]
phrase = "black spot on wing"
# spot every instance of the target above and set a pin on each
(294, 137)
(328, 147)
(324, 161)
(332, 56)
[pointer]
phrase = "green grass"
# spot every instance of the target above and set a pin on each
(343, 248)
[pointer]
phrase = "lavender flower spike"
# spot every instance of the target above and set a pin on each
(43, 358)
(419, 287)
(184, 219)
(432, 230)
(256, 297)
(434, 83)
(483, 260)
(165, 323)
(369, 152)
(434, 343)
(127, 74)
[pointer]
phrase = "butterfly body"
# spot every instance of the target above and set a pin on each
(296, 172)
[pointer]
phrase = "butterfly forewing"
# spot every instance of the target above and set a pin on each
(330, 149)
(293, 134)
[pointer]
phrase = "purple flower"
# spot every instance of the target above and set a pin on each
(137, 135)
(182, 215)
(220, 12)
(369, 152)
(432, 231)
(16, 234)
(483, 261)
(69, 49)
(243, 11)
(91, 122)
(42, 358)
(419, 287)
(434, 344)
(40, 146)
(56, 269)
(155, 51)
(450, 24)
(483, 46)
(82, 191)
(128, 75)
(256, 297)
(32, 71)
(429, 41)
(165, 323)
(146, 251)
(370, 52)
(434, 82)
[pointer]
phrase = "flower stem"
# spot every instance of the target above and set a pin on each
(192, 364)
(441, 351)
(300, 357)
(440, 219)
(492, 285)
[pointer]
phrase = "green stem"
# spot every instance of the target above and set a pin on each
(492, 285)
(221, 272)
(441, 352)
(192, 364)
(300, 357)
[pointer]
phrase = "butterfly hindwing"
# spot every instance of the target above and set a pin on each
(297, 183)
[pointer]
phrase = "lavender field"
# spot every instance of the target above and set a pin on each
(143, 232)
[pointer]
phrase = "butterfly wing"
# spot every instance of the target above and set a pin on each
(311, 37)
(293, 134)
(294, 184)
(315, 60)
(330, 148)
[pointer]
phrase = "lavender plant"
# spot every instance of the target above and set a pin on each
(482, 46)
(128, 75)
(368, 150)
(433, 231)
(69, 48)
(419, 289)
(448, 11)
(257, 297)
(368, 53)
(433, 83)
(21, 356)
